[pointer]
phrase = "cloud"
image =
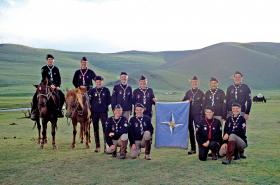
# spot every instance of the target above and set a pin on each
(115, 25)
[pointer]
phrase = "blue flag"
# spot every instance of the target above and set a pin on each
(172, 120)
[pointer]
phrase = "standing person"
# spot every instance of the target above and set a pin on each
(116, 133)
(140, 132)
(209, 135)
(196, 98)
(100, 99)
(51, 73)
(240, 93)
(215, 98)
(234, 134)
(145, 96)
(122, 94)
(84, 76)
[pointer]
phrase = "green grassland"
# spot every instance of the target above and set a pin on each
(22, 162)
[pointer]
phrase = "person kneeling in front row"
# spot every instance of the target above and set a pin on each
(234, 134)
(116, 133)
(208, 135)
(140, 132)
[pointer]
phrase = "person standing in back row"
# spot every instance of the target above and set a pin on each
(196, 98)
(239, 93)
(122, 95)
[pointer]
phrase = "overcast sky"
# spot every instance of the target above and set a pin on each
(153, 25)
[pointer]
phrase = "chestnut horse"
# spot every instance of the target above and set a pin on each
(77, 108)
(47, 111)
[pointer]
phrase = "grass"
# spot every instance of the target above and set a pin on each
(22, 162)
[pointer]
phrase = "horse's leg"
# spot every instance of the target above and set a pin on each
(89, 133)
(54, 122)
(39, 130)
(74, 133)
(82, 132)
(44, 132)
(86, 133)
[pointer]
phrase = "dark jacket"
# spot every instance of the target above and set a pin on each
(196, 98)
(100, 99)
(218, 105)
(145, 98)
(236, 126)
(118, 127)
(52, 74)
(202, 130)
(137, 127)
(78, 78)
(122, 95)
(243, 97)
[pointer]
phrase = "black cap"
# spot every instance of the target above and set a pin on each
(194, 78)
(142, 77)
(209, 108)
(236, 104)
(123, 73)
(84, 59)
(118, 106)
(49, 56)
(139, 105)
(98, 78)
(213, 79)
(238, 73)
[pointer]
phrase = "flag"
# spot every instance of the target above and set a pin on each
(172, 120)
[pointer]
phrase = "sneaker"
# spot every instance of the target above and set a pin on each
(148, 157)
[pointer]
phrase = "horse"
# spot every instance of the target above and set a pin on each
(47, 111)
(259, 99)
(77, 109)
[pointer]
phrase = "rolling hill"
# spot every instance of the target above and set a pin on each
(166, 70)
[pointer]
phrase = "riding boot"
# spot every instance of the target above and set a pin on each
(147, 150)
(34, 109)
(123, 149)
(230, 152)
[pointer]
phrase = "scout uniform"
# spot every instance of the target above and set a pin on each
(196, 98)
(122, 95)
(144, 97)
(100, 99)
(119, 128)
(241, 94)
(140, 134)
(215, 98)
(209, 130)
(83, 77)
(235, 127)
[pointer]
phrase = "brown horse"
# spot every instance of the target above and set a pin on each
(77, 108)
(47, 111)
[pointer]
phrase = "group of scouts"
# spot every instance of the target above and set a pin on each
(132, 113)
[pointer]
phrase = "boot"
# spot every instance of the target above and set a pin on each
(214, 155)
(114, 154)
(191, 152)
(34, 114)
(230, 152)
(241, 154)
(123, 149)
(236, 155)
(147, 150)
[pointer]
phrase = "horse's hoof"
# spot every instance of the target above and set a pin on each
(82, 141)
(87, 146)
(54, 147)
(73, 146)
(42, 146)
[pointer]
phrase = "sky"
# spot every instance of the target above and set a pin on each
(147, 25)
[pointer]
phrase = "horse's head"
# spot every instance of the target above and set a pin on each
(43, 96)
(71, 102)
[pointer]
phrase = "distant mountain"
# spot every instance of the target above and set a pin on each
(166, 70)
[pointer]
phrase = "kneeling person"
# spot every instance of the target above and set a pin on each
(208, 135)
(140, 132)
(116, 133)
(234, 134)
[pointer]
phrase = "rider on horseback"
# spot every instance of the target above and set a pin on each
(51, 73)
